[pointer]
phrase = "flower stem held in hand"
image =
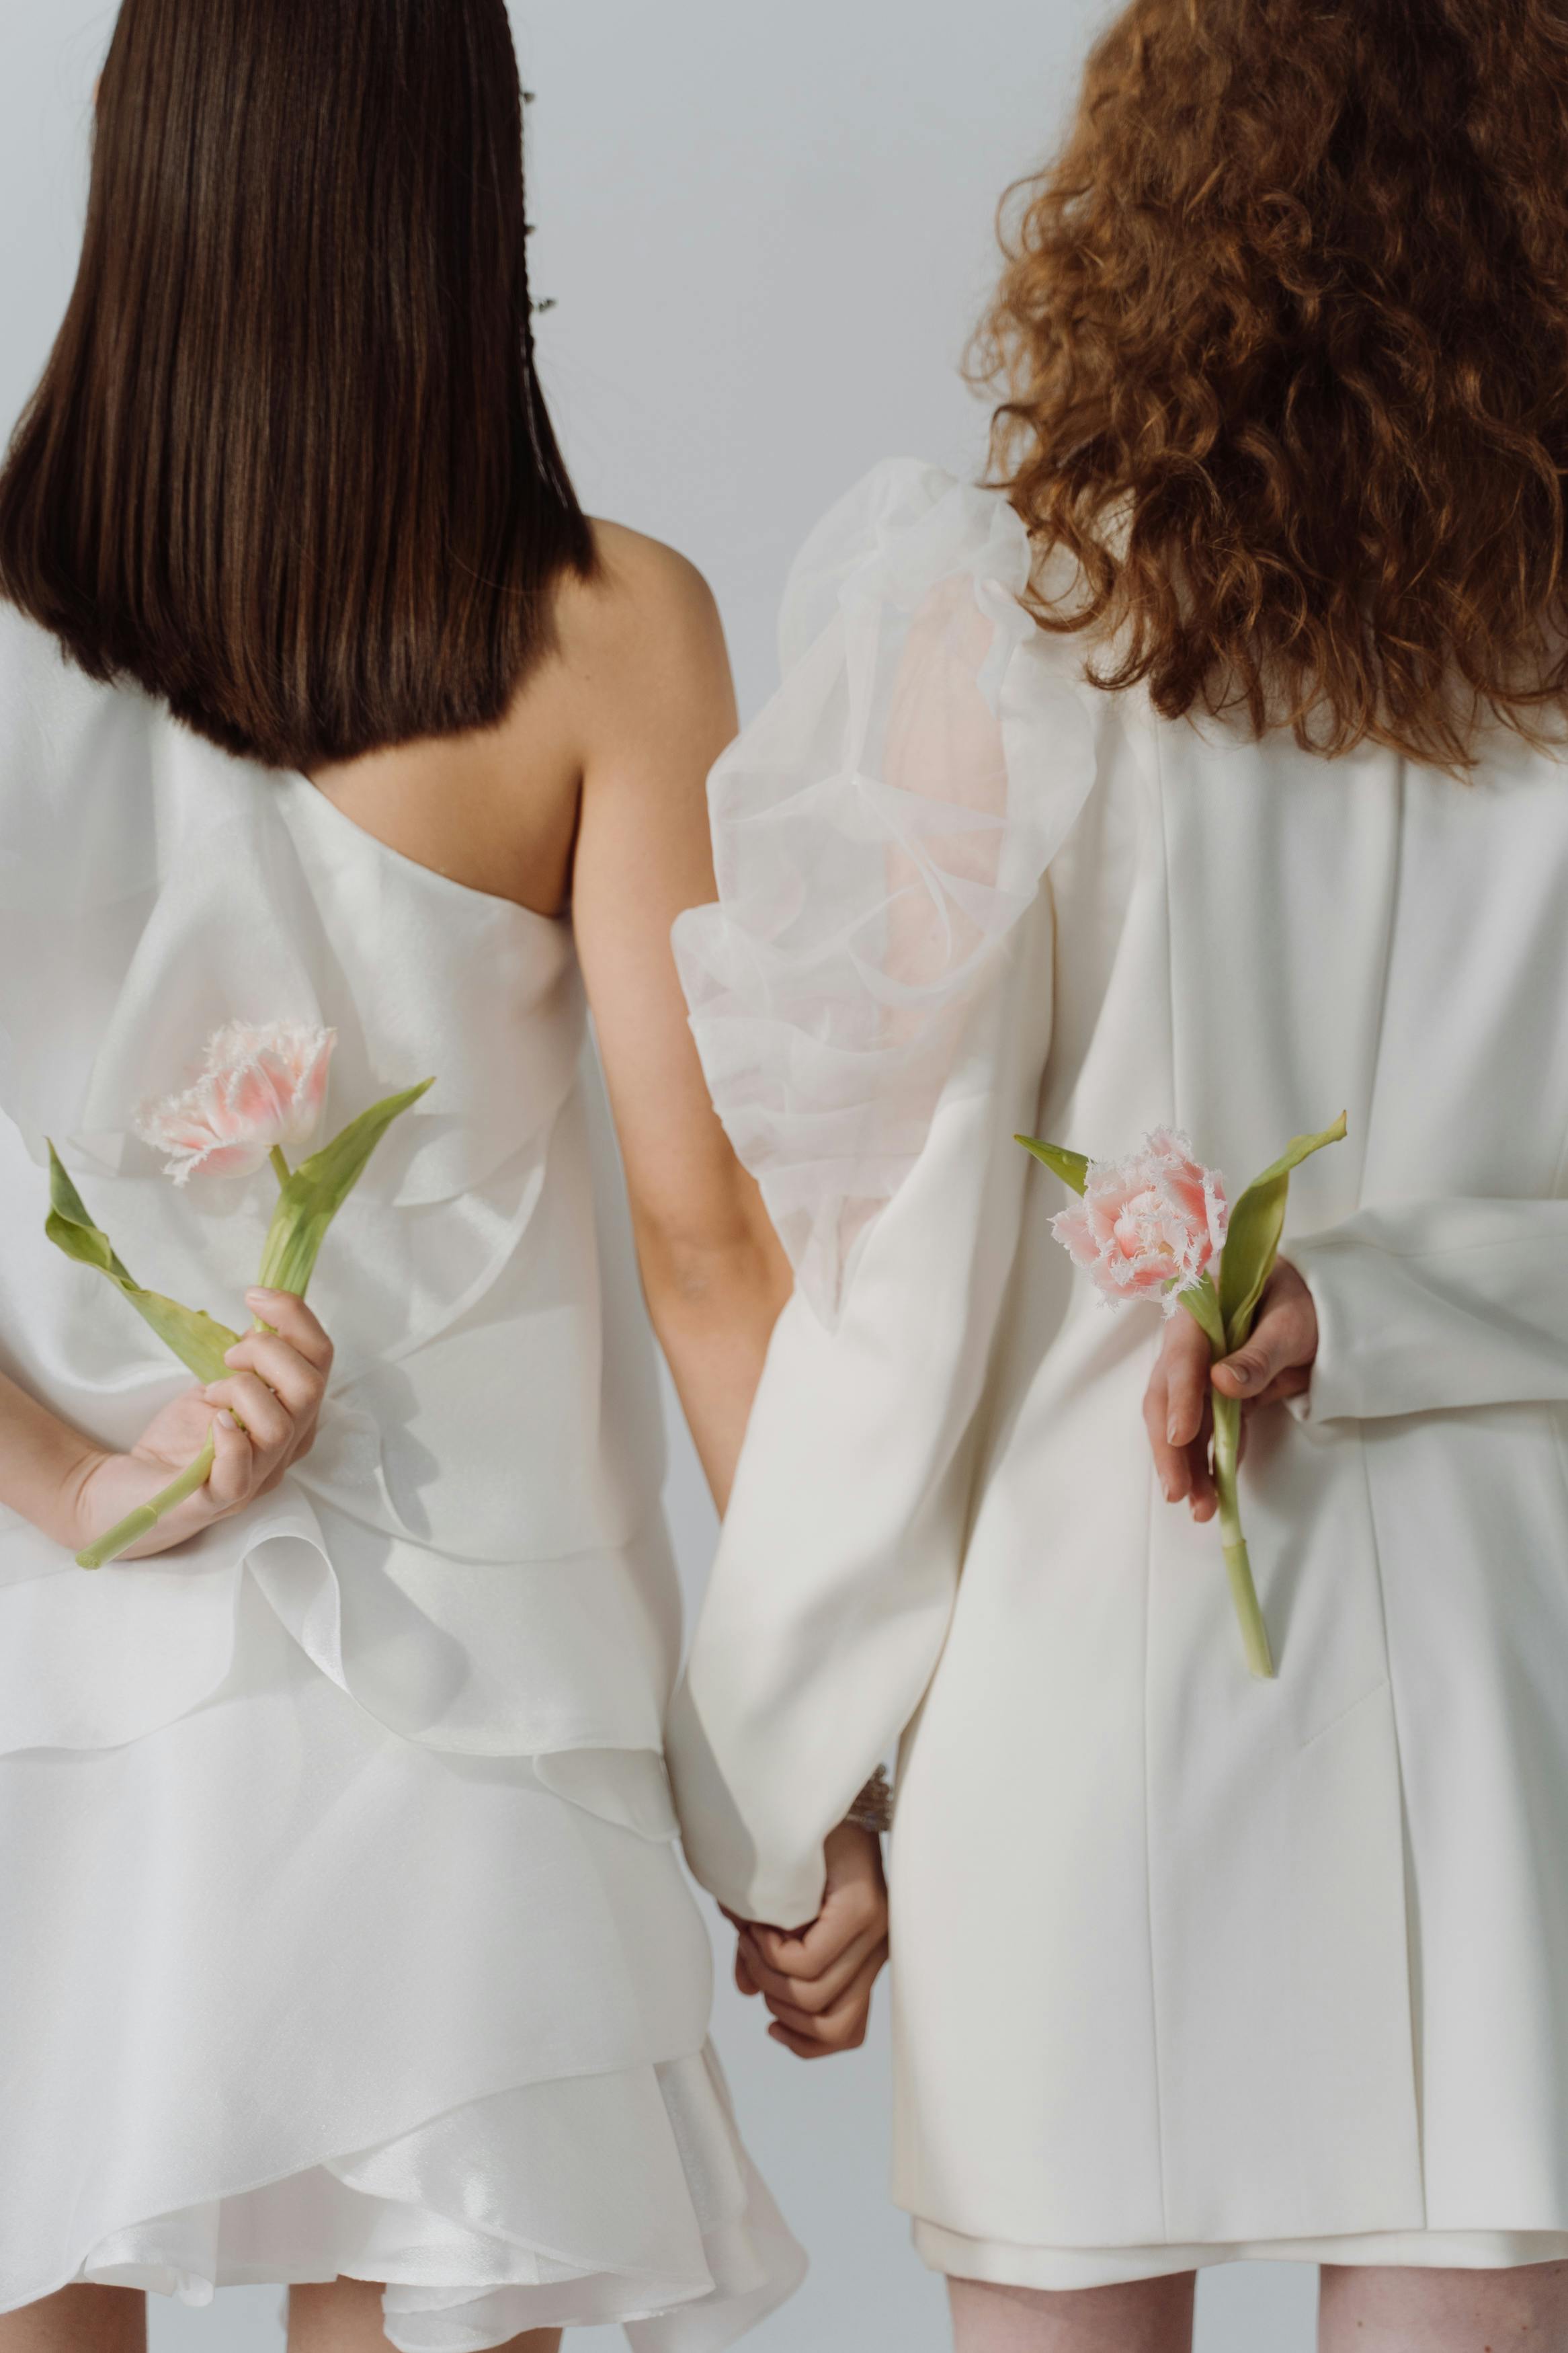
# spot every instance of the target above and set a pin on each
(1151, 1227)
(1202, 1302)
(259, 1088)
(145, 1518)
(1237, 1562)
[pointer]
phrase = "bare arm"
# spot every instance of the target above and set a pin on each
(648, 657)
(44, 1464)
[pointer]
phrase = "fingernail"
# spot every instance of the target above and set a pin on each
(1170, 1487)
(259, 1293)
(1242, 1375)
(227, 1421)
(1173, 1431)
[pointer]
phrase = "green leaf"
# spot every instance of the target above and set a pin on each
(1201, 1304)
(317, 1190)
(196, 1339)
(1072, 1168)
(1257, 1222)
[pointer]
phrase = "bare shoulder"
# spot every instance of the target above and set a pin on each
(642, 581)
(644, 634)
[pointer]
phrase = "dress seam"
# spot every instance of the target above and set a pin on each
(1417, 2088)
(1159, 782)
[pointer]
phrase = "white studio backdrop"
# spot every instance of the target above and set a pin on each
(767, 232)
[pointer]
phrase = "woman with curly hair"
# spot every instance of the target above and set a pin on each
(1206, 773)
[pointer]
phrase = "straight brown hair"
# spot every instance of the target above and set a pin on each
(288, 466)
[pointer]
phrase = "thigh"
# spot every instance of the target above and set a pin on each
(1413, 2310)
(1141, 2316)
(345, 2317)
(78, 2320)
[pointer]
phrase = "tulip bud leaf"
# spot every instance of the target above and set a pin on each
(1252, 1241)
(313, 1196)
(1072, 1168)
(1201, 1300)
(196, 1339)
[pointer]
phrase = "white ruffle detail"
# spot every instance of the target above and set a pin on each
(471, 1658)
(290, 1996)
(500, 2218)
(878, 830)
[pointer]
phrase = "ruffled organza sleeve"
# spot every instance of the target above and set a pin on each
(878, 832)
(872, 1001)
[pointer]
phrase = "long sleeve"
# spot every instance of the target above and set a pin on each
(871, 1000)
(839, 1559)
(1427, 1305)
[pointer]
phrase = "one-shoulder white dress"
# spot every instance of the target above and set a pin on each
(1186, 1965)
(341, 1929)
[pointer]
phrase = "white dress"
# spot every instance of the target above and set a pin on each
(342, 1931)
(1186, 1965)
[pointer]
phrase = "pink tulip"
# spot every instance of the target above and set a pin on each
(260, 1089)
(1148, 1225)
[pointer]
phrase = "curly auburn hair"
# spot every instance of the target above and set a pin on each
(1281, 348)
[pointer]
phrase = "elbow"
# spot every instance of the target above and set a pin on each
(697, 1278)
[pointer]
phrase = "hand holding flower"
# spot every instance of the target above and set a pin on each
(1151, 1227)
(1275, 1363)
(258, 1088)
(276, 1389)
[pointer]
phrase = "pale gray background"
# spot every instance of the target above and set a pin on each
(768, 231)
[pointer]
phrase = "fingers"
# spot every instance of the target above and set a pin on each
(263, 1414)
(1284, 1339)
(841, 2027)
(1174, 1404)
(1185, 1353)
(745, 1981)
(277, 1381)
(812, 1996)
(846, 1915)
(1184, 1471)
(233, 1475)
(292, 1320)
(1294, 1381)
(292, 1377)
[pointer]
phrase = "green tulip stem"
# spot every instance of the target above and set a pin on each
(280, 1168)
(1239, 1566)
(147, 1517)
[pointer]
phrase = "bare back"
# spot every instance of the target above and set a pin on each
(590, 798)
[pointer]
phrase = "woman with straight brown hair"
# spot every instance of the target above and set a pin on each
(342, 1941)
(1205, 771)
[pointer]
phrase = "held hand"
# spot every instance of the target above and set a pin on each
(817, 1983)
(275, 1388)
(1275, 1362)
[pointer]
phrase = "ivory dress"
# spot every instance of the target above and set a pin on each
(341, 1928)
(1186, 1965)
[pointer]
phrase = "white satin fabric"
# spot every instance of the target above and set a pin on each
(1186, 1965)
(343, 1929)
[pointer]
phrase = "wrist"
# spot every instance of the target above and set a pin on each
(70, 1518)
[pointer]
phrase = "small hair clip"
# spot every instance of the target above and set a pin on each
(547, 304)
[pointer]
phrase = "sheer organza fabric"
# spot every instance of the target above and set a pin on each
(879, 831)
